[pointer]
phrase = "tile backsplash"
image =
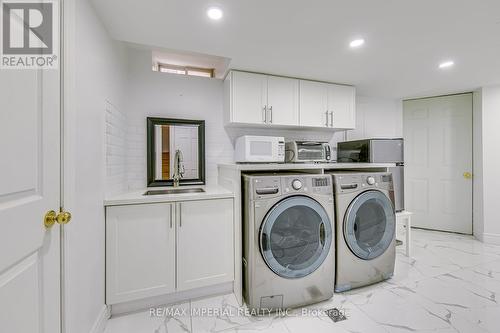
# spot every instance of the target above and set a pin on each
(116, 149)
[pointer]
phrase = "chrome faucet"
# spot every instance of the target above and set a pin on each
(178, 167)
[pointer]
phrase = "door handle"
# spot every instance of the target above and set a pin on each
(51, 217)
(264, 114)
(322, 234)
(467, 175)
(271, 114)
(331, 118)
(326, 114)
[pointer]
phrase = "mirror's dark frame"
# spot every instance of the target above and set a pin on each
(151, 122)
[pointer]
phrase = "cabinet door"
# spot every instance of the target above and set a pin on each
(313, 104)
(249, 97)
(283, 100)
(341, 101)
(140, 252)
(204, 243)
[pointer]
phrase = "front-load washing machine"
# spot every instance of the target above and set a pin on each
(365, 228)
(288, 250)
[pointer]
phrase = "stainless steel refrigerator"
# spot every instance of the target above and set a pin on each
(378, 151)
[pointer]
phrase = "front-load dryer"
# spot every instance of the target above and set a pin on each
(288, 240)
(365, 228)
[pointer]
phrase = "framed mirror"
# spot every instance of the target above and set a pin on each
(176, 148)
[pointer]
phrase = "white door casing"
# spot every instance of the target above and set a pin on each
(438, 156)
(29, 187)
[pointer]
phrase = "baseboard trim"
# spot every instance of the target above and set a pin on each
(491, 238)
(177, 297)
(101, 320)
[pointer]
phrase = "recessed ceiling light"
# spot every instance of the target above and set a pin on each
(215, 13)
(357, 42)
(446, 64)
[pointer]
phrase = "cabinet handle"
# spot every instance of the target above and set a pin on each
(172, 216)
(331, 119)
(326, 114)
(271, 114)
(180, 214)
(264, 114)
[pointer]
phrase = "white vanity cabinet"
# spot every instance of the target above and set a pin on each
(204, 243)
(162, 248)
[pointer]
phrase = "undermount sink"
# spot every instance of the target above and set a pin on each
(175, 191)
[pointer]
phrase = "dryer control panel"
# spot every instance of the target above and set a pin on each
(352, 182)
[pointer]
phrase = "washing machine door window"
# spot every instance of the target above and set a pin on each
(369, 224)
(295, 237)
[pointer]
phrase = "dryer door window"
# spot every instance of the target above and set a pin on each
(295, 237)
(369, 224)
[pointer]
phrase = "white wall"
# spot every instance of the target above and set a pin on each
(487, 182)
(173, 96)
(377, 118)
(154, 94)
(95, 67)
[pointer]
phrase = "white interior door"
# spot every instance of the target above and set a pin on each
(283, 100)
(29, 187)
(438, 161)
(185, 138)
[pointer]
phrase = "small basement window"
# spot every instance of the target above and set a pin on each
(185, 70)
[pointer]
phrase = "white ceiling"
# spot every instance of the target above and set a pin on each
(405, 39)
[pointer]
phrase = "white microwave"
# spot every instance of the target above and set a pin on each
(259, 149)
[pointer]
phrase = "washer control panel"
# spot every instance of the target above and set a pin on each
(278, 185)
(317, 184)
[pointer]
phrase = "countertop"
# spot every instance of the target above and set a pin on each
(138, 197)
(303, 166)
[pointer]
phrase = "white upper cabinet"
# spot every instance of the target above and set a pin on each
(249, 98)
(341, 106)
(259, 99)
(282, 101)
(262, 99)
(314, 104)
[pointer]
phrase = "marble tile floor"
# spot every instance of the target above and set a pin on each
(451, 284)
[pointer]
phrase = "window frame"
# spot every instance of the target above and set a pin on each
(186, 69)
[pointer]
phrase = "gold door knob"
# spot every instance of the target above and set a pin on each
(52, 217)
(467, 175)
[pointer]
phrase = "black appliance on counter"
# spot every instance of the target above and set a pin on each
(378, 151)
